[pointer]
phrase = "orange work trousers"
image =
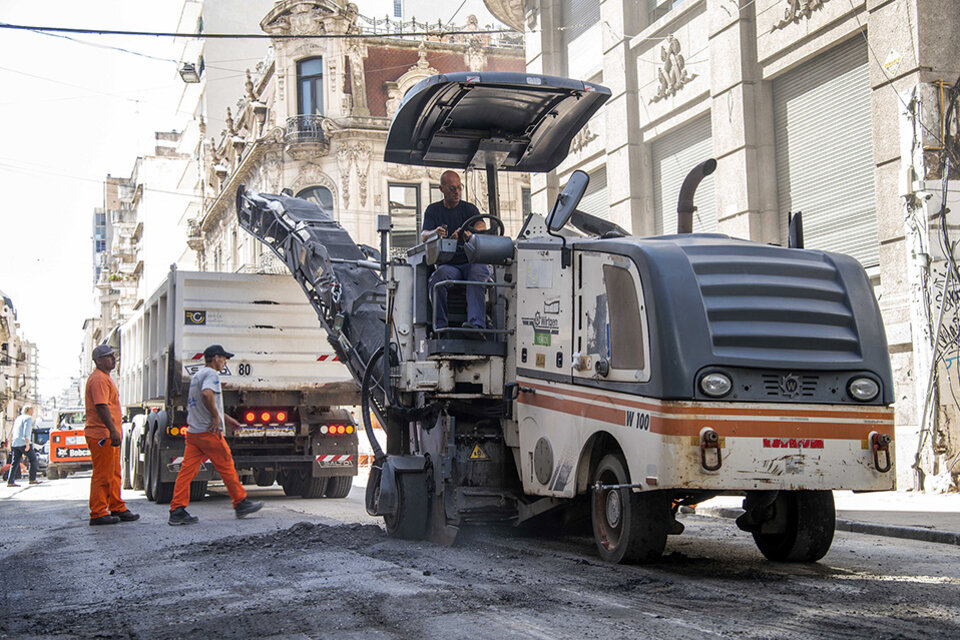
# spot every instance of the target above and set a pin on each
(215, 447)
(105, 483)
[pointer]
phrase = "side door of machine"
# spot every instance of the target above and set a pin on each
(611, 340)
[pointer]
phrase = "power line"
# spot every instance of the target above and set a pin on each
(252, 36)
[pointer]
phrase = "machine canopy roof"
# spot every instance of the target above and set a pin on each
(513, 121)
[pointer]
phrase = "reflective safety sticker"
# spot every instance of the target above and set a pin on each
(541, 338)
(478, 453)
(335, 460)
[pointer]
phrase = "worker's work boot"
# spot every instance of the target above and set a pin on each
(107, 519)
(126, 516)
(180, 516)
(245, 507)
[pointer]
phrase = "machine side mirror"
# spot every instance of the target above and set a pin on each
(567, 201)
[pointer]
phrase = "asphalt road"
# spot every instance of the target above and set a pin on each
(323, 568)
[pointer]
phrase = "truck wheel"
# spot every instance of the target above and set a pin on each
(339, 486)
(410, 523)
(313, 487)
(292, 483)
(136, 479)
(810, 518)
(197, 491)
(149, 481)
(264, 477)
(627, 525)
(52, 473)
(125, 455)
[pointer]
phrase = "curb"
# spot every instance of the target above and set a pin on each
(854, 526)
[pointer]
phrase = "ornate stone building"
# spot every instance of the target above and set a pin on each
(18, 368)
(829, 107)
(313, 118)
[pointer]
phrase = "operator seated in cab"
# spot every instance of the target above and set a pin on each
(445, 218)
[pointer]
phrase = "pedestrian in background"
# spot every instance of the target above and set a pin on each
(23, 447)
(205, 422)
(103, 423)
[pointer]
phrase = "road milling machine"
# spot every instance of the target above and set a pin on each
(629, 375)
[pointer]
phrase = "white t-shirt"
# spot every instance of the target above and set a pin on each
(198, 418)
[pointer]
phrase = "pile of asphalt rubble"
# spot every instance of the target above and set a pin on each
(301, 535)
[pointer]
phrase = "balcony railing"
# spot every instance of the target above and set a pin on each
(305, 128)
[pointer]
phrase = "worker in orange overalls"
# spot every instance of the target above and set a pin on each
(103, 424)
(205, 421)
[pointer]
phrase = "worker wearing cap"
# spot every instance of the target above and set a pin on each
(205, 420)
(102, 431)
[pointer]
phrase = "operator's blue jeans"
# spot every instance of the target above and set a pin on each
(476, 295)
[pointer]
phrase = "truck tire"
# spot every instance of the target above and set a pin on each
(411, 520)
(198, 490)
(162, 491)
(125, 457)
(264, 477)
(627, 526)
(52, 472)
(292, 483)
(149, 482)
(811, 518)
(339, 486)
(313, 487)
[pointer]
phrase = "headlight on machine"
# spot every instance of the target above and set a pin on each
(863, 389)
(716, 384)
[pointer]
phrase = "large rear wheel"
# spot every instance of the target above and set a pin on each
(627, 526)
(264, 477)
(805, 522)
(198, 489)
(149, 480)
(313, 487)
(411, 520)
(162, 491)
(339, 486)
(291, 481)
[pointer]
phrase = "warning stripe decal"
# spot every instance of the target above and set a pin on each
(179, 460)
(749, 421)
(341, 458)
(328, 357)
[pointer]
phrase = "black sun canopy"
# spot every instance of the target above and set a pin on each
(512, 121)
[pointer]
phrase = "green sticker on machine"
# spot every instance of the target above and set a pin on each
(542, 338)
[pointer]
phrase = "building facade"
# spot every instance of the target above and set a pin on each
(829, 107)
(313, 118)
(18, 368)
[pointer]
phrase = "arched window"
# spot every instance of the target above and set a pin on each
(320, 196)
(310, 86)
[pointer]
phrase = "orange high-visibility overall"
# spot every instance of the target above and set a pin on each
(215, 447)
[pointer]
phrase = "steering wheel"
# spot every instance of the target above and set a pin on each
(468, 224)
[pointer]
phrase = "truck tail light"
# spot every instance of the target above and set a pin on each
(265, 416)
(281, 416)
(250, 416)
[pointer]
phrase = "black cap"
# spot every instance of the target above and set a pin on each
(215, 350)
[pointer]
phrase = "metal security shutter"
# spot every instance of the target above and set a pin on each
(580, 37)
(594, 199)
(824, 151)
(673, 157)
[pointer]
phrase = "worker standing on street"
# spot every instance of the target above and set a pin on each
(205, 422)
(103, 423)
(23, 447)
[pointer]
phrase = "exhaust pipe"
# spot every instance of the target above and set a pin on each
(685, 206)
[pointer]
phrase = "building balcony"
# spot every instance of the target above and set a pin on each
(305, 137)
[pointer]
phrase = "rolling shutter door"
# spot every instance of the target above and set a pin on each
(594, 199)
(673, 157)
(580, 37)
(824, 151)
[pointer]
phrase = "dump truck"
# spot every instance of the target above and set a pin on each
(627, 376)
(292, 401)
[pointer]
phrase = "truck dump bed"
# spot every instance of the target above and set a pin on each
(263, 319)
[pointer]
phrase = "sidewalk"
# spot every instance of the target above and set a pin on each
(895, 514)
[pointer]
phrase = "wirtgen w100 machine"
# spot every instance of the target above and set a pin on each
(634, 374)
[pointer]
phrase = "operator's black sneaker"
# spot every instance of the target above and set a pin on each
(126, 516)
(107, 519)
(180, 516)
(475, 334)
(246, 506)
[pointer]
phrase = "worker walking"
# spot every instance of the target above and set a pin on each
(102, 432)
(23, 447)
(205, 422)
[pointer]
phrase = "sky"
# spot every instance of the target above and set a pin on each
(72, 113)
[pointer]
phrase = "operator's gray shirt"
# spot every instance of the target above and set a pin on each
(198, 418)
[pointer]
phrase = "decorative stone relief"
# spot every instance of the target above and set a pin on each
(474, 57)
(673, 75)
(411, 172)
(356, 52)
(350, 156)
(313, 175)
(363, 166)
(344, 160)
(416, 73)
(584, 137)
(798, 10)
(272, 171)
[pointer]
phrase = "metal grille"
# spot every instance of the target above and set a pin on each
(788, 386)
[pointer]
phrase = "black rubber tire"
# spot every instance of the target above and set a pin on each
(339, 487)
(627, 526)
(264, 477)
(136, 479)
(125, 464)
(811, 519)
(52, 472)
(291, 482)
(198, 490)
(149, 482)
(162, 491)
(311, 487)
(413, 510)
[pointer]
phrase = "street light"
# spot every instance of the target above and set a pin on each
(188, 71)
